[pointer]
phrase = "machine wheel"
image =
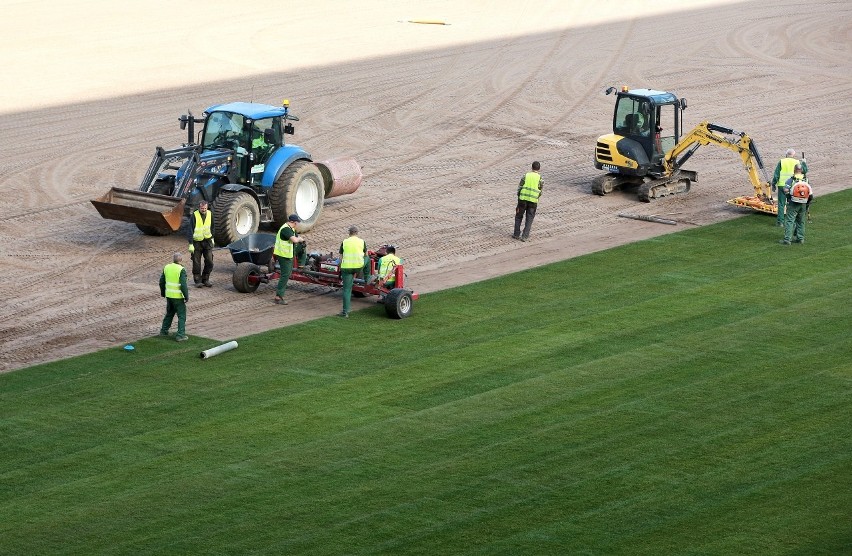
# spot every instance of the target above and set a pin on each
(160, 187)
(604, 184)
(398, 303)
(300, 190)
(241, 277)
(235, 215)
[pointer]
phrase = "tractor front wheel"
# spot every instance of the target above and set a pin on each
(299, 190)
(398, 303)
(247, 277)
(235, 215)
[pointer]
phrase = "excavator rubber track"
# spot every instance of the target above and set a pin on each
(648, 188)
(678, 183)
(607, 183)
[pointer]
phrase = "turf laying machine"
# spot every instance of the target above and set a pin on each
(253, 253)
(647, 149)
(241, 166)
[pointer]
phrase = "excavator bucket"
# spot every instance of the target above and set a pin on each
(340, 175)
(147, 209)
(755, 203)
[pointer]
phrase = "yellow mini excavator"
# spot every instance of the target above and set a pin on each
(647, 149)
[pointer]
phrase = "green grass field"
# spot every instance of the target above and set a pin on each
(688, 394)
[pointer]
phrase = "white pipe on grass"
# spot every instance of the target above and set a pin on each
(208, 353)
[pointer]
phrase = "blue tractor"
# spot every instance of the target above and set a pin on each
(238, 163)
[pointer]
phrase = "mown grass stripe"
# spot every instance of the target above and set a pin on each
(685, 394)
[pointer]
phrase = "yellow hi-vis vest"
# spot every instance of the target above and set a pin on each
(387, 266)
(353, 252)
(202, 226)
(283, 248)
(172, 272)
(788, 167)
(800, 192)
(530, 190)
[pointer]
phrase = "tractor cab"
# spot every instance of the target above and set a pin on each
(251, 132)
(650, 118)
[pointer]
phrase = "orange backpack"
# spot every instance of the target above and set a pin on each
(800, 192)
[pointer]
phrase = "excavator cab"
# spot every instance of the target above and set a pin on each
(646, 126)
(644, 122)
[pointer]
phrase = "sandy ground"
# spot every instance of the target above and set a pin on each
(444, 119)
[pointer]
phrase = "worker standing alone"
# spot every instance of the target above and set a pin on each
(201, 244)
(783, 172)
(529, 192)
(173, 287)
(353, 252)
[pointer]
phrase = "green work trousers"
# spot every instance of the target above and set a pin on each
(782, 202)
(794, 225)
(174, 307)
(348, 275)
(286, 267)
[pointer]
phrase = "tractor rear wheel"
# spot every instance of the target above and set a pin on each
(160, 187)
(247, 277)
(398, 303)
(235, 215)
(299, 190)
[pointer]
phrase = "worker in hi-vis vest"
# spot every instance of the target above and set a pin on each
(288, 243)
(387, 267)
(353, 258)
(799, 195)
(528, 193)
(386, 273)
(783, 172)
(173, 287)
(201, 244)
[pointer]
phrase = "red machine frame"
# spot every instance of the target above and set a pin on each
(253, 269)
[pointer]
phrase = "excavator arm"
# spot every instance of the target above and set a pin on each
(706, 133)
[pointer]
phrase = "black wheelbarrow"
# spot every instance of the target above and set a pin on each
(253, 248)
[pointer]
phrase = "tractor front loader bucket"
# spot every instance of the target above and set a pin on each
(162, 212)
(340, 175)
